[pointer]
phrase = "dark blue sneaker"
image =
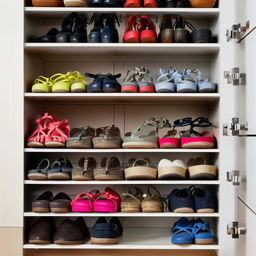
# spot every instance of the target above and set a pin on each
(205, 201)
(104, 232)
(182, 232)
(202, 232)
(181, 201)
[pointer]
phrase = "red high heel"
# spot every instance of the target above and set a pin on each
(150, 4)
(148, 30)
(131, 35)
(133, 3)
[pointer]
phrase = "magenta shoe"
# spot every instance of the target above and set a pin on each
(109, 201)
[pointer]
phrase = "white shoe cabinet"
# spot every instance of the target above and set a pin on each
(145, 230)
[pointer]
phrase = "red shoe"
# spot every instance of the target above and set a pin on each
(148, 30)
(131, 34)
(133, 4)
(150, 4)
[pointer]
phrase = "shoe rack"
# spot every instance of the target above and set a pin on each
(126, 111)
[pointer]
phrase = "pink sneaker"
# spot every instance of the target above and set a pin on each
(109, 201)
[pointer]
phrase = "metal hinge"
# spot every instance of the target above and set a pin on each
(234, 177)
(235, 77)
(234, 230)
(237, 31)
(235, 127)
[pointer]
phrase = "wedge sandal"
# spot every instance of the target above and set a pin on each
(110, 169)
(140, 169)
(136, 138)
(40, 173)
(84, 169)
(132, 200)
(166, 81)
(60, 169)
(186, 81)
(204, 85)
(42, 85)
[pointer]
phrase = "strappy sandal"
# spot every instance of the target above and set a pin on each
(140, 169)
(153, 202)
(78, 82)
(199, 170)
(81, 137)
(57, 134)
(186, 81)
(60, 169)
(166, 81)
(38, 137)
(202, 232)
(60, 83)
(182, 232)
(131, 34)
(107, 137)
(130, 83)
(40, 173)
(204, 85)
(42, 85)
(84, 170)
(132, 200)
(136, 139)
(110, 170)
(201, 140)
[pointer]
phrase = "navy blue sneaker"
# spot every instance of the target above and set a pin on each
(181, 201)
(205, 201)
(104, 232)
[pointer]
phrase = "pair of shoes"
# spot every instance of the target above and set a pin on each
(49, 132)
(106, 3)
(88, 137)
(47, 203)
(138, 80)
(60, 83)
(177, 169)
(87, 169)
(187, 81)
(142, 31)
(60, 169)
(94, 201)
(43, 231)
(103, 83)
(192, 200)
(176, 3)
(73, 29)
(104, 28)
(136, 201)
(194, 231)
(139, 3)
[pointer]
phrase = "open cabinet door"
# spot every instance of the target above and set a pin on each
(245, 105)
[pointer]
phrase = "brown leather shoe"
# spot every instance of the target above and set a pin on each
(72, 232)
(60, 203)
(42, 203)
(41, 232)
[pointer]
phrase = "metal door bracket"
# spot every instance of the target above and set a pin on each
(235, 128)
(234, 177)
(237, 31)
(234, 230)
(235, 77)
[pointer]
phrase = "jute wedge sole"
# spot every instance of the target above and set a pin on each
(171, 171)
(130, 208)
(107, 177)
(152, 206)
(58, 176)
(80, 178)
(199, 144)
(76, 143)
(203, 171)
(37, 176)
(76, 3)
(107, 144)
(140, 145)
(35, 144)
(140, 172)
(204, 241)
(69, 242)
(206, 210)
(95, 240)
(39, 242)
(184, 210)
(40, 209)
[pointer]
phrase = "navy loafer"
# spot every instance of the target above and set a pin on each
(110, 84)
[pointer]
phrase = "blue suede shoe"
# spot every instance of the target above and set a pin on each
(186, 81)
(104, 232)
(182, 232)
(202, 232)
(181, 201)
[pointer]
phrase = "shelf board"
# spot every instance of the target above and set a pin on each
(45, 50)
(134, 238)
(138, 98)
(61, 12)
(120, 214)
(118, 150)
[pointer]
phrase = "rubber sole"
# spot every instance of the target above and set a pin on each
(130, 209)
(78, 90)
(60, 91)
(199, 144)
(81, 178)
(204, 241)
(206, 210)
(148, 39)
(140, 145)
(37, 176)
(60, 210)
(107, 177)
(168, 145)
(39, 242)
(58, 176)
(39, 91)
(40, 209)
(69, 242)
(47, 3)
(95, 240)
(35, 144)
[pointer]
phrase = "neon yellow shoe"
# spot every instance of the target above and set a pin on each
(42, 85)
(60, 83)
(79, 84)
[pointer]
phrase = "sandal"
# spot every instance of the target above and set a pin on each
(131, 34)
(140, 169)
(132, 200)
(147, 30)
(182, 232)
(108, 201)
(186, 81)
(166, 81)
(145, 80)
(204, 85)
(201, 140)
(60, 83)
(199, 170)
(81, 137)
(78, 82)
(168, 170)
(130, 83)
(42, 85)
(136, 139)
(107, 137)
(60, 169)
(40, 173)
(110, 170)
(153, 202)
(38, 137)
(84, 169)
(202, 232)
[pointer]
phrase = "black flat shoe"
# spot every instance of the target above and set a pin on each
(95, 33)
(80, 32)
(50, 37)
(109, 33)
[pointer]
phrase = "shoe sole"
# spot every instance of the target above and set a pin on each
(204, 241)
(202, 171)
(140, 172)
(139, 145)
(49, 3)
(206, 210)
(35, 144)
(40, 209)
(66, 242)
(75, 3)
(39, 242)
(184, 210)
(60, 210)
(172, 171)
(58, 176)
(199, 144)
(54, 144)
(37, 176)
(95, 240)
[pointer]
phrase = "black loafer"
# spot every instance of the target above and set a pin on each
(50, 37)
(95, 33)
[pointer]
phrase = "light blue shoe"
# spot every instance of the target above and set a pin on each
(204, 85)
(166, 81)
(202, 232)
(186, 81)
